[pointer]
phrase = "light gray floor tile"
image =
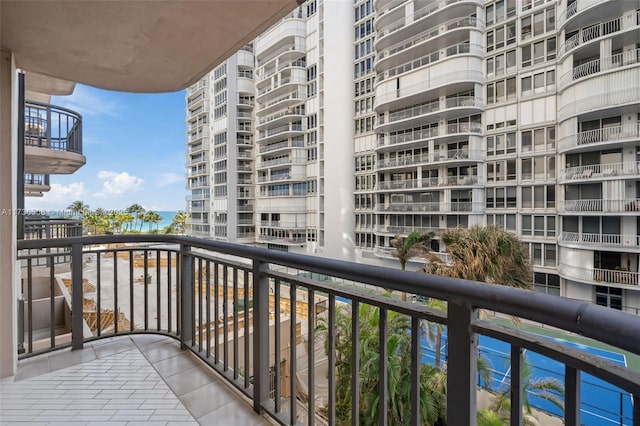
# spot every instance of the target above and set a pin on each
(176, 364)
(190, 379)
(233, 413)
(207, 398)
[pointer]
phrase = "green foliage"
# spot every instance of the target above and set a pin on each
(415, 244)
(432, 380)
(486, 254)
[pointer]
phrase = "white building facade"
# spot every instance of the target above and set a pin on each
(378, 118)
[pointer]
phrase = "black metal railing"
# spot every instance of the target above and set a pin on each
(36, 179)
(247, 312)
(52, 127)
(44, 227)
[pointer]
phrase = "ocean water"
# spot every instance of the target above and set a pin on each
(167, 218)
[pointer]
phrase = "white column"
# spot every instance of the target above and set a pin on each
(8, 202)
(339, 135)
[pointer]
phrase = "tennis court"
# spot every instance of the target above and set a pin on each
(601, 403)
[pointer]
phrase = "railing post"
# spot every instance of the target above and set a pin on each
(186, 297)
(462, 355)
(261, 335)
(77, 319)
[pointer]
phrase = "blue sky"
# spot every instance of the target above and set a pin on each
(135, 149)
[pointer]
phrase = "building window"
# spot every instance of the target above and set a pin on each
(609, 296)
(547, 283)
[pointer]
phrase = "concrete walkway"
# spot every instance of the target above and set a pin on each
(129, 380)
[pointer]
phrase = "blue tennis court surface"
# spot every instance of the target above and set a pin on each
(601, 403)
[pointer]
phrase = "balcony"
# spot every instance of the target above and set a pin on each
(589, 34)
(428, 85)
(599, 276)
(594, 172)
(44, 227)
(599, 66)
(630, 206)
(237, 343)
(456, 23)
(434, 206)
(428, 59)
(605, 136)
(52, 139)
(610, 241)
(35, 184)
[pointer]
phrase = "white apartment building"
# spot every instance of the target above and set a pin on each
(220, 172)
(435, 114)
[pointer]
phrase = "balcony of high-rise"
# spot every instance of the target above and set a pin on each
(172, 328)
(52, 139)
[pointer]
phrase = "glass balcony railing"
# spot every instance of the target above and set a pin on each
(234, 306)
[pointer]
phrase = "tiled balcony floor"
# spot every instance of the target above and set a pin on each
(121, 381)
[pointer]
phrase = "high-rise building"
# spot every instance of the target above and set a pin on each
(220, 151)
(524, 114)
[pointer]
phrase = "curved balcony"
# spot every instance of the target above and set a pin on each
(295, 226)
(281, 117)
(405, 230)
(608, 241)
(297, 177)
(287, 35)
(279, 87)
(285, 145)
(604, 97)
(192, 292)
(596, 172)
(52, 139)
(285, 241)
(280, 162)
(427, 85)
(428, 59)
(584, 12)
(415, 115)
(394, 25)
(595, 33)
(281, 132)
(609, 136)
(599, 276)
(285, 101)
(599, 67)
(404, 48)
(628, 206)
(453, 155)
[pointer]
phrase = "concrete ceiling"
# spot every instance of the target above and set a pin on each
(134, 45)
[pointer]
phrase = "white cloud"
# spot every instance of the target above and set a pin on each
(165, 179)
(59, 197)
(118, 183)
(90, 101)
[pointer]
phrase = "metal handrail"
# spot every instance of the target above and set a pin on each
(52, 127)
(265, 271)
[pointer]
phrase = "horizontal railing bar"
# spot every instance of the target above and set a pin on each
(606, 370)
(412, 309)
(600, 323)
(44, 351)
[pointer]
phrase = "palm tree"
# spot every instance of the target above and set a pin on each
(432, 380)
(137, 210)
(547, 388)
(127, 219)
(152, 217)
(415, 244)
(179, 224)
(485, 254)
(79, 208)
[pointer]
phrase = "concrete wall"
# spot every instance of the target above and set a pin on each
(8, 164)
